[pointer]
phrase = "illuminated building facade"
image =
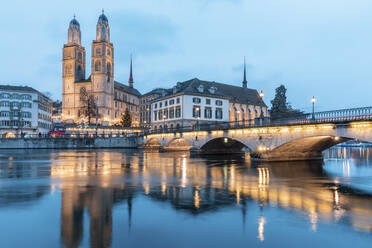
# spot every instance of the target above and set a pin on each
(203, 102)
(111, 97)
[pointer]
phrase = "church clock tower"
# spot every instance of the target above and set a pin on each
(103, 70)
(73, 69)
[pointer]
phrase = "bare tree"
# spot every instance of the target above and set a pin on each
(88, 107)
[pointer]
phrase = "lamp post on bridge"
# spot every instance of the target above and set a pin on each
(261, 112)
(313, 100)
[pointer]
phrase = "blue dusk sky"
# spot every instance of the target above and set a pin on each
(318, 47)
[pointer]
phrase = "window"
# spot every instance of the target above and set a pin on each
(171, 102)
(208, 113)
(26, 97)
(15, 104)
(165, 103)
(108, 52)
(160, 115)
(80, 56)
(15, 96)
(4, 104)
(26, 114)
(108, 72)
(178, 100)
(26, 105)
(155, 115)
(196, 100)
(160, 104)
(4, 114)
(165, 115)
(201, 88)
(196, 111)
(97, 65)
(212, 90)
(171, 113)
(98, 51)
(178, 112)
(218, 102)
(208, 101)
(68, 69)
(219, 115)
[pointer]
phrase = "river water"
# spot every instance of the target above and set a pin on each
(132, 198)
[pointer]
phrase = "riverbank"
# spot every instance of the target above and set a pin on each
(70, 143)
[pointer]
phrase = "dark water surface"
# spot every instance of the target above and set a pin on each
(130, 198)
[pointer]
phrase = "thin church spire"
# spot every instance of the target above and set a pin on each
(245, 76)
(130, 81)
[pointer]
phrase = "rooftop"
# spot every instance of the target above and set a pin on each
(235, 94)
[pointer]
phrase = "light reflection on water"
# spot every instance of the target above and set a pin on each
(146, 199)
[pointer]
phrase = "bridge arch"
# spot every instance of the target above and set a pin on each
(223, 145)
(305, 148)
(152, 143)
(178, 144)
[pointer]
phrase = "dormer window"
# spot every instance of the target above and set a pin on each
(201, 88)
(212, 90)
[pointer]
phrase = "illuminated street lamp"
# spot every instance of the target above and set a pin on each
(261, 94)
(313, 100)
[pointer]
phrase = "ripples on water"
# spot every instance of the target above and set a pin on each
(116, 198)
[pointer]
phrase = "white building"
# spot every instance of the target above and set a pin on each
(24, 110)
(203, 102)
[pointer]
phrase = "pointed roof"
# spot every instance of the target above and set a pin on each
(235, 94)
(245, 76)
(130, 81)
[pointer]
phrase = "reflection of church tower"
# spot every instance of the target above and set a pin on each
(100, 209)
(73, 68)
(72, 214)
(103, 68)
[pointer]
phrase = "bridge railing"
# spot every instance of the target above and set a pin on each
(334, 116)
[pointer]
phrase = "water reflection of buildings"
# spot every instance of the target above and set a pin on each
(93, 182)
(86, 183)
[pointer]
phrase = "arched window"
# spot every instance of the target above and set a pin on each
(68, 69)
(98, 51)
(108, 72)
(97, 65)
(79, 70)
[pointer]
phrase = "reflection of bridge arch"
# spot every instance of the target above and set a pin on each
(223, 145)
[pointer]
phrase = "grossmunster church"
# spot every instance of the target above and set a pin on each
(111, 98)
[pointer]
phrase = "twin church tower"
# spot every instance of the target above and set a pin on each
(112, 98)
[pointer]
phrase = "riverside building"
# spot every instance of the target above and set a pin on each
(24, 110)
(202, 102)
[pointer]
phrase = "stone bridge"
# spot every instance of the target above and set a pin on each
(269, 143)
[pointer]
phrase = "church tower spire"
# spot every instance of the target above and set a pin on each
(103, 28)
(74, 33)
(130, 81)
(245, 76)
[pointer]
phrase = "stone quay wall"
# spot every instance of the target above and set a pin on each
(70, 143)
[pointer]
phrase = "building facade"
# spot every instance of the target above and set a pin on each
(83, 98)
(145, 105)
(203, 102)
(24, 110)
